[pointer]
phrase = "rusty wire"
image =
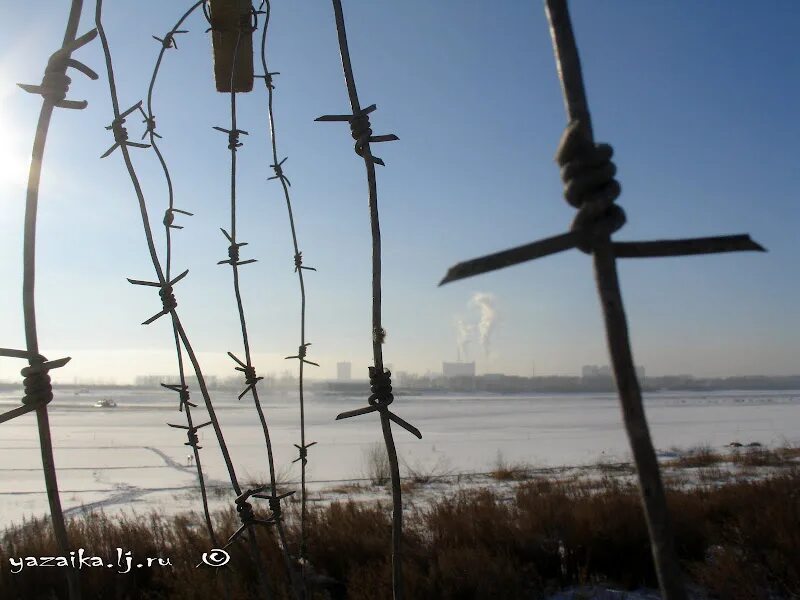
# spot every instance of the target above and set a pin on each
(37, 385)
(182, 389)
(590, 187)
(165, 284)
(280, 176)
(246, 366)
(380, 378)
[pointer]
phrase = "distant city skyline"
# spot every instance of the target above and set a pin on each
(414, 383)
(445, 370)
(704, 142)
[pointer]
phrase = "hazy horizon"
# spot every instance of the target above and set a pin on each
(705, 139)
(122, 368)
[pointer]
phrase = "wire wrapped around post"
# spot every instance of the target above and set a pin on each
(379, 378)
(246, 366)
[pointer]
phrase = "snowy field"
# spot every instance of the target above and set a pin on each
(127, 458)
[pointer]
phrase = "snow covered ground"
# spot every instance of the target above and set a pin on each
(127, 458)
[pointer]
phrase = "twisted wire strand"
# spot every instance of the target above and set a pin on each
(299, 268)
(166, 43)
(53, 90)
(379, 377)
(163, 282)
(246, 366)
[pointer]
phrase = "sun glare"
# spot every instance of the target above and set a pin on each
(14, 156)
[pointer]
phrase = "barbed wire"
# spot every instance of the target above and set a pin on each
(246, 366)
(164, 283)
(380, 378)
(37, 384)
(589, 186)
(280, 176)
(182, 389)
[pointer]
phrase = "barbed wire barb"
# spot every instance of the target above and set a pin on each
(303, 452)
(117, 127)
(183, 394)
(191, 433)
(301, 355)
(168, 41)
(246, 515)
(169, 217)
(233, 252)
(36, 382)
(166, 294)
(361, 131)
(55, 82)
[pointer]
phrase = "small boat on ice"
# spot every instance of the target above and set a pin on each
(105, 403)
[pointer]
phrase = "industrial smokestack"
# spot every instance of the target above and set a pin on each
(464, 333)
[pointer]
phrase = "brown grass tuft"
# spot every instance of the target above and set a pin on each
(698, 456)
(504, 470)
(376, 464)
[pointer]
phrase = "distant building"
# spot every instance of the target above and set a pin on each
(605, 371)
(148, 380)
(458, 369)
(595, 371)
(344, 371)
(191, 381)
(211, 381)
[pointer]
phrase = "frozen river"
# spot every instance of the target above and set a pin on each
(126, 457)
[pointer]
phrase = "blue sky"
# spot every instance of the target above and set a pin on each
(698, 100)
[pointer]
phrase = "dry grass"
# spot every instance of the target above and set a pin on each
(746, 456)
(376, 464)
(182, 539)
(737, 540)
(763, 457)
(713, 475)
(504, 470)
(347, 489)
(283, 478)
(423, 474)
(615, 468)
(697, 456)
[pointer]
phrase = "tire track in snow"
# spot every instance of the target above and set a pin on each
(124, 493)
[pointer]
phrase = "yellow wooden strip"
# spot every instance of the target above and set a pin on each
(228, 18)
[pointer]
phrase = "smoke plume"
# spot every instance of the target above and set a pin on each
(488, 315)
